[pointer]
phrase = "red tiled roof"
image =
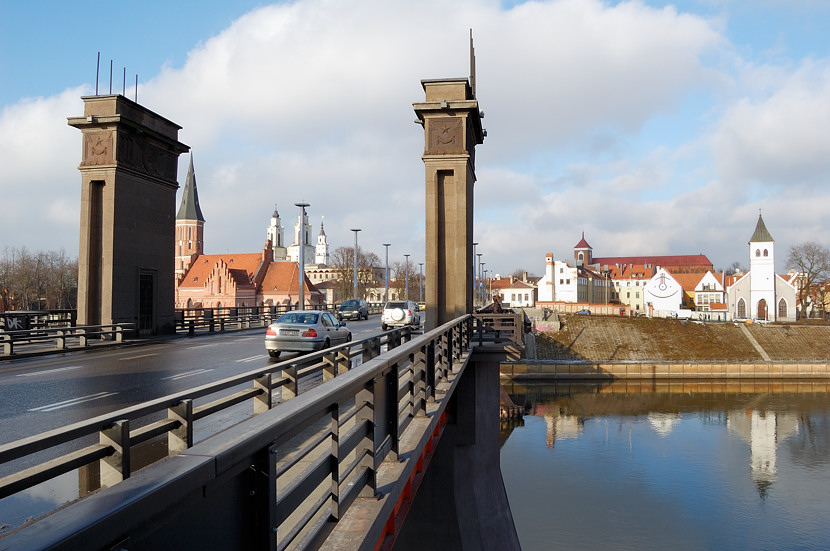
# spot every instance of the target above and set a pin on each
(241, 268)
(282, 277)
(688, 282)
(582, 243)
(507, 284)
(694, 260)
(631, 271)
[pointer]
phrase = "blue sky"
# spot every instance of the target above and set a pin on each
(654, 127)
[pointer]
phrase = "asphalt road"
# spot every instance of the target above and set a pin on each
(40, 394)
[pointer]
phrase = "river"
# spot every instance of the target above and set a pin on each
(681, 466)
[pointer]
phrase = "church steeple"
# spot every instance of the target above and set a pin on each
(321, 253)
(190, 209)
(761, 234)
(190, 224)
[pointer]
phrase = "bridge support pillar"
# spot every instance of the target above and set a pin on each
(462, 503)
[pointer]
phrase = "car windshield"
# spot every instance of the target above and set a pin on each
(306, 318)
(391, 305)
(350, 304)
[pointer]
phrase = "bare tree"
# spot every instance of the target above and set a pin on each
(342, 259)
(734, 268)
(46, 280)
(812, 260)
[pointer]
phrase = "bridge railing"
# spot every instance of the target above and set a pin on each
(63, 337)
(171, 417)
(312, 456)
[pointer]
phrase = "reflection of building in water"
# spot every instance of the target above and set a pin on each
(562, 426)
(764, 430)
(663, 423)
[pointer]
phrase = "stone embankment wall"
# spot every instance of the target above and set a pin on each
(611, 347)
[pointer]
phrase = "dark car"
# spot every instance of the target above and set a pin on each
(353, 309)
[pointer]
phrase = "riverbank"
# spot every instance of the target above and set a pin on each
(613, 339)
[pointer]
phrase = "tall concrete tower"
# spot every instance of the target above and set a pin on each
(128, 211)
(452, 128)
(190, 225)
(762, 272)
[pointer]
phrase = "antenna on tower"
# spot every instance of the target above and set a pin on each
(472, 65)
(97, 72)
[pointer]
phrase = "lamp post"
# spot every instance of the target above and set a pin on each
(301, 256)
(484, 283)
(406, 279)
(355, 230)
(386, 295)
(478, 275)
(474, 273)
(420, 282)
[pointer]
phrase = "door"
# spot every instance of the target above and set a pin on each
(146, 303)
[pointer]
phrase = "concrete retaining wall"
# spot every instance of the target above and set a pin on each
(663, 370)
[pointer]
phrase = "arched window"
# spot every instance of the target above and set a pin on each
(741, 308)
(766, 252)
(757, 252)
(580, 257)
(782, 309)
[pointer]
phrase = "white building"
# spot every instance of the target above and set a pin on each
(761, 293)
(275, 236)
(663, 294)
(321, 251)
(559, 283)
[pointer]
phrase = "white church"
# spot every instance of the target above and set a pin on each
(312, 254)
(762, 294)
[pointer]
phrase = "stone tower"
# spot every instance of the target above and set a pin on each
(190, 225)
(452, 128)
(128, 208)
(583, 253)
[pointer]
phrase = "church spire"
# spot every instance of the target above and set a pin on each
(761, 234)
(189, 209)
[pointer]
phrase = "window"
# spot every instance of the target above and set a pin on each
(757, 252)
(567, 281)
(741, 308)
(561, 281)
(628, 294)
(782, 309)
(637, 295)
(766, 252)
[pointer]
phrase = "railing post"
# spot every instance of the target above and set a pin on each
(344, 360)
(190, 329)
(8, 345)
(430, 370)
(329, 367)
(82, 338)
(365, 400)
(262, 401)
(334, 462)
(60, 340)
(119, 333)
(116, 467)
(181, 438)
(392, 380)
(371, 349)
(292, 388)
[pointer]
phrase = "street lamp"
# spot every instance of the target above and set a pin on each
(301, 256)
(474, 273)
(484, 283)
(355, 230)
(406, 279)
(478, 275)
(386, 295)
(420, 282)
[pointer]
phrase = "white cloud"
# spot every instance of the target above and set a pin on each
(311, 100)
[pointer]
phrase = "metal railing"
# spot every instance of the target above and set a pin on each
(63, 337)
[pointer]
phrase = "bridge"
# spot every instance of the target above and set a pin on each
(338, 465)
(387, 442)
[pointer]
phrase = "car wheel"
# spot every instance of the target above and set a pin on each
(383, 327)
(274, 353)
(326, 344)
(366, 316)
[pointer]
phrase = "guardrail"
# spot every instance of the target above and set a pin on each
(62, 337)
(308, 459)
(121, 431)
(240, 317)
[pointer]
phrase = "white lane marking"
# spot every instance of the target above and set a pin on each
(49, 371)
(201, 346)
(252, 358)
(185, 374)
(243, 339)
(137, 357)
(73, 401)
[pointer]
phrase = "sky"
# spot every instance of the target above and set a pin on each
(654, 127)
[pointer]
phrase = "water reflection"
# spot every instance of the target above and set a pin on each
(701, 465)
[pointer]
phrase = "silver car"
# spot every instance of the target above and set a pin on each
(305, 331)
